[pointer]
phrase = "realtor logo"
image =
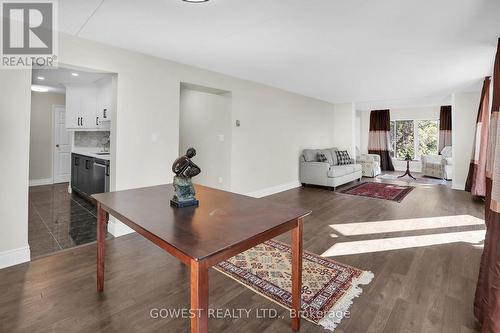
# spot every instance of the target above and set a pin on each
(29, 35)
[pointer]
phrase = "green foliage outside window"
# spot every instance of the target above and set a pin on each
(427, 137)
(413, 137)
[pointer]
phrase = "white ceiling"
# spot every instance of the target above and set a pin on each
(339, 51)
(56, 79)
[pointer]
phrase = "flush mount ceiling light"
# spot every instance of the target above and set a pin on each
(39, 88)
(75, 74)
(195, 1)
(41, 78)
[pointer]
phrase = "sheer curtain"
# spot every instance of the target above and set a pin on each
(379, 137)
(487, 300)
(476, 180)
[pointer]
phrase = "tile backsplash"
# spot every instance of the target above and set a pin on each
(92, 139)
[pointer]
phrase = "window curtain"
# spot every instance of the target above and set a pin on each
(444, 127)
(487, 299)
(476, 180)
(379, 137)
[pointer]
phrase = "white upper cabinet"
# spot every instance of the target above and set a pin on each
(73, 107)
(88, 106)
(104, 99)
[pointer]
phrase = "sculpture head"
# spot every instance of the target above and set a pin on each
(191, 152)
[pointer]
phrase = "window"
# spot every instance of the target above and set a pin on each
(413, 137)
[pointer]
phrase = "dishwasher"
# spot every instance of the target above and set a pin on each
(100, 176)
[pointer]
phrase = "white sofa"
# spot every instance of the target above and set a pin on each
(438, 166)
(328, 173)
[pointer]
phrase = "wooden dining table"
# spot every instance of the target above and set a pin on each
(222, 226)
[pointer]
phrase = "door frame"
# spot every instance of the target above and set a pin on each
(53, 141)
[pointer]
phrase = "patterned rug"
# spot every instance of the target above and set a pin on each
(390, 192)
(328, 287)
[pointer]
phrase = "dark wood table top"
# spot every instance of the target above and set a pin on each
(222, 220)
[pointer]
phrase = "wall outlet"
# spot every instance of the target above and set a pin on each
(221, 137)
(221, 180)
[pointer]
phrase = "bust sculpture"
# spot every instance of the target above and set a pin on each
(184, 169)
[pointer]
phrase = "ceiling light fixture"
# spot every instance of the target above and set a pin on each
(195, 1)
(39, 88)
(75, 74)
(41, 78)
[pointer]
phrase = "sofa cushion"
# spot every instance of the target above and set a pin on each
(322, 157)
(328, 155)
(310, 155)
(342, 170)
(338, 171)
(356, 167)
(334, 155)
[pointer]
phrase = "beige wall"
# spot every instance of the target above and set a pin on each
(41, 133)
(204, 117)
(464, 115)
(343, 130)
(15, 99)
(275, 125)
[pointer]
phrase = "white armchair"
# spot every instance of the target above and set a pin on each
(370, 165)
(438, 166)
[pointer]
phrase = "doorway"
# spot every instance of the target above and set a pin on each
(205, 124)
(61, 147)
(72, 112)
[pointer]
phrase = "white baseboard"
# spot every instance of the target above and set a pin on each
(14, 256)
(457, 186)
(39, 182)
(274, 189)
(117, 229)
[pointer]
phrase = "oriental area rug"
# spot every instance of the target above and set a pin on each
(328, 287)
(392, 192)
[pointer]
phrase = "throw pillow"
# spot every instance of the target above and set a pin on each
(322, 157)
(343, 157)
(328, 155)
(310, 155)
(334, 155)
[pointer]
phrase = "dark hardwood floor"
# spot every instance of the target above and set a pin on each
(416, 288)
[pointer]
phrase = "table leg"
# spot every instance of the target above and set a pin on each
(101, 241)
(199, 297)
(296, 273)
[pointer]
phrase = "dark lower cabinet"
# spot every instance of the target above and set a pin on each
(75, 162)
(98, 176)
(88, 175)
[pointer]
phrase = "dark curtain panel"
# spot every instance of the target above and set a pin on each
(379, 136)
(487, 299)
(476, 179)
(444, 127)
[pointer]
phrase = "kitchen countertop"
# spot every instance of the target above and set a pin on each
(91, 153)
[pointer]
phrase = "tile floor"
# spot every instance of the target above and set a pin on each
(58, 220)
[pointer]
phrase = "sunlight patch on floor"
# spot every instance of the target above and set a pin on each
(387, 244)
(365, 228)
